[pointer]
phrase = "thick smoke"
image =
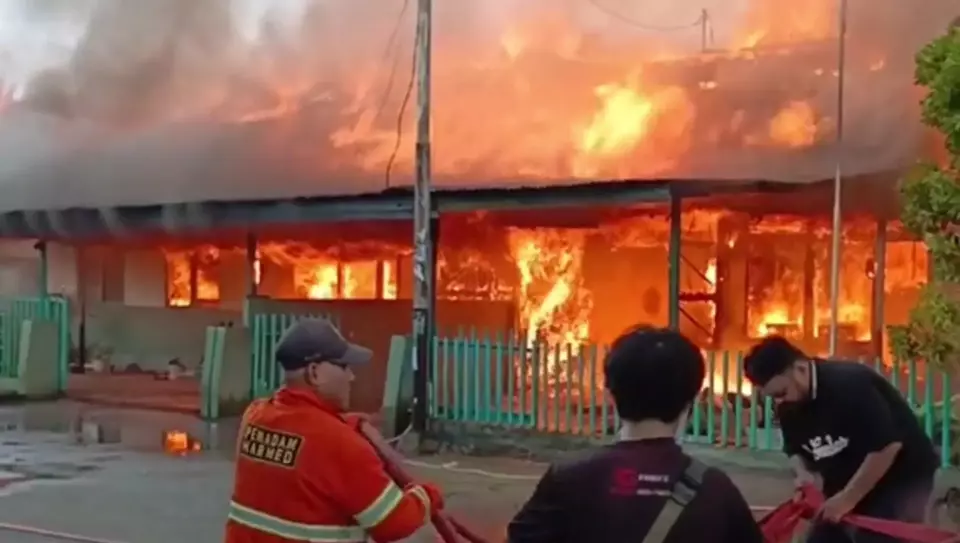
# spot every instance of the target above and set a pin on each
(176, 100)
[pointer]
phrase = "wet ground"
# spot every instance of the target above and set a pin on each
(105, 474)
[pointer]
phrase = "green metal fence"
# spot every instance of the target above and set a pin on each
(266, 331)
(502, 382)
(210, 376)
(55, 309)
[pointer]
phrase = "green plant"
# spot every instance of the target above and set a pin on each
(937, 413)
(931, 211)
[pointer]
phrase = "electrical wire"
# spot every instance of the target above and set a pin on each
(403, 109)
(391, 50)
(633, 22)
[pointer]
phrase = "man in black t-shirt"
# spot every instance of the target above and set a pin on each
(845, 424)
(642, 488)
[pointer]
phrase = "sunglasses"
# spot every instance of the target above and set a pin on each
(319, 360)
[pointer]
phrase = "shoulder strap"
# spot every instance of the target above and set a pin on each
(683, 492)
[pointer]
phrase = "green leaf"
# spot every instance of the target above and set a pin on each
(931, 210)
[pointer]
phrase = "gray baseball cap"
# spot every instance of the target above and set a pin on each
(317, 340)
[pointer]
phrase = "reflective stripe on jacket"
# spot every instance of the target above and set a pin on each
(294, 531)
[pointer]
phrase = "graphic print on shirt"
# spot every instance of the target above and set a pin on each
(827, 446)
(630, 482)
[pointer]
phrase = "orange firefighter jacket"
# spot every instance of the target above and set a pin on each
(304, 474)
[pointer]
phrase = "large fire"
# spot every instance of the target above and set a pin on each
(546, 97)
(521, 88)
(567, 300)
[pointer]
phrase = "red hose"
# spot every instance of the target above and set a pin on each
(780, 524)
(449, 529)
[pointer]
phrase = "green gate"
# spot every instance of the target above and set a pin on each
(266, 331)
(54, 309)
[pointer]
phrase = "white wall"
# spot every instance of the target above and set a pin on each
(62, 270)
(20, 269)
(144, 278)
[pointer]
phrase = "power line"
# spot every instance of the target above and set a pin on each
(392, 48)
(633, 22)
(403, 109)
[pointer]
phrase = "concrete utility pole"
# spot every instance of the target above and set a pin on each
(423, 272)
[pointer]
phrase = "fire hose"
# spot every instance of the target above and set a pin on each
(780, 524)
(449, 529)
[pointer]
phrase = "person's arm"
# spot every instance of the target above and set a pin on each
(871, 424)
(802, 474)
(357, 480)
(540, 520)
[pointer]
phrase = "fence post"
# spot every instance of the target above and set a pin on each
(210, 376)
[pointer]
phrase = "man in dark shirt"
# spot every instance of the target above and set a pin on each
(629, 492)
(846, 424)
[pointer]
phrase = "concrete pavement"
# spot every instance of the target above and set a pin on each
(118, 484)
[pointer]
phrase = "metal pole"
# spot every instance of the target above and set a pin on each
(422, 236)
(837, 182)
(43, 273)
(251, 264)
(879, 278)
(704, 22)
(675, 252)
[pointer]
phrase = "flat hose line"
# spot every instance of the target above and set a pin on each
(50, 534)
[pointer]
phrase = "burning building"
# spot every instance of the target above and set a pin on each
(588, 175)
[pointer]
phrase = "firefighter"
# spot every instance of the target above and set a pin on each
(304, 473)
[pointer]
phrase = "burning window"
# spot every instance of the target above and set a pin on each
(360, 280)
(317, 281)
(192, 276)
(208, 274)
(388, 280)
(179, 285)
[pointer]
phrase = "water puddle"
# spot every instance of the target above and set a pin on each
(117, 430)
(180, 443)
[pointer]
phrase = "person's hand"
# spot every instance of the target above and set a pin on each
(836, 507)
(436, 497)
(800, 481)
(355, 420)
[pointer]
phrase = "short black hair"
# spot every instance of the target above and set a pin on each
(769, 358)
(653, 373)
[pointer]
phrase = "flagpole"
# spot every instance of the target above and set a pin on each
(837, 234)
